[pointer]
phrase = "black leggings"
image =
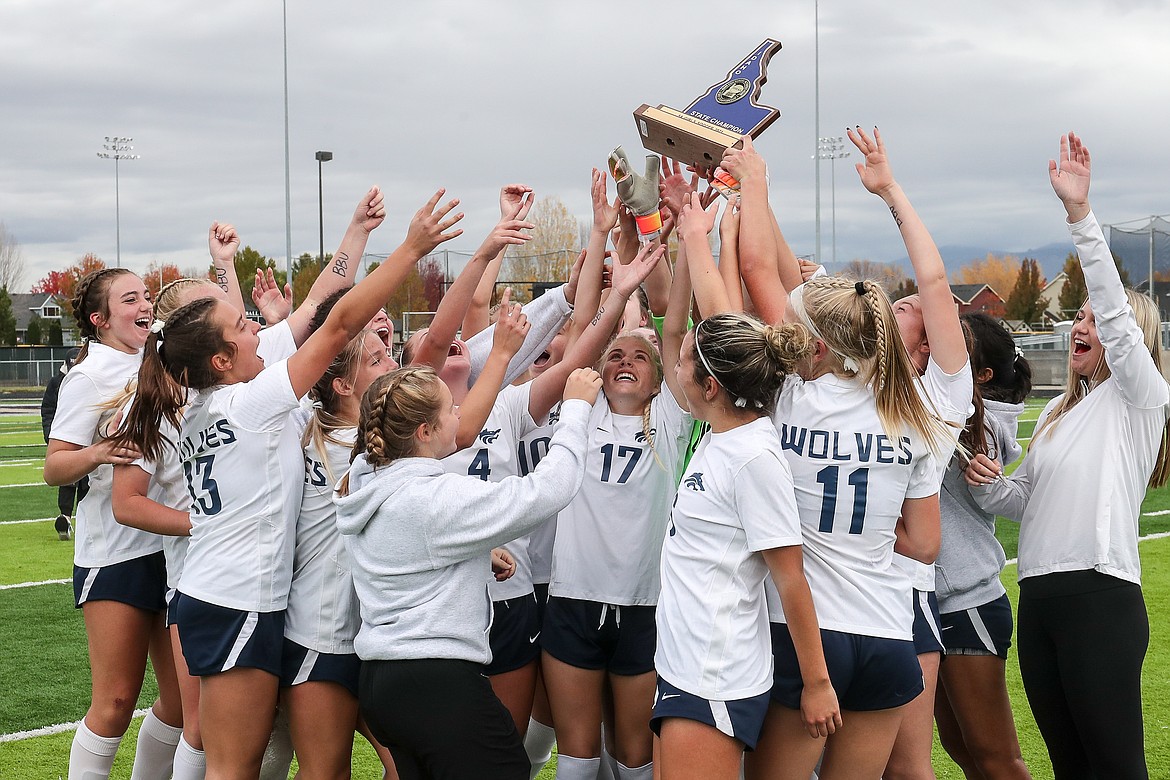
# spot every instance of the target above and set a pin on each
(1082, 639)
(440, 719)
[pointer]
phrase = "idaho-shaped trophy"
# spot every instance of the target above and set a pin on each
(715, 121)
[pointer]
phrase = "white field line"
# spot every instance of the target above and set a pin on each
(33, 462)
(21, 522)
(23, 484)
(58, 728)
(34, 584)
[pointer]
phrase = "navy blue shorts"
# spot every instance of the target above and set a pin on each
(216, 639)
(982, 630)
(927, 634)
(299, 664)
(139, 582)
(515, 634)
(740, 719)
(540, 589)
(592, 635)
(867, 672)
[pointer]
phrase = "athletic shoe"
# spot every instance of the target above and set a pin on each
(63, 528)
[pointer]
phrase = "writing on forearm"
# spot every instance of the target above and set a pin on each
(221, 279)
(597, 317)
(897, 219)
(340, 263)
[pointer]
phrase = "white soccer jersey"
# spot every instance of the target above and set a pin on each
(169, 488)
(609, 538)
(498, 452)
(276, 343)
(322, 612)
(540, 542)
(81, 420)
(948, 395)
(736, 499)
(851, 479)
(244, 468)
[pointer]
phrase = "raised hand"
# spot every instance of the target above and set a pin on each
(370, 211)
(223, 242)
(605, 214)
(431, 227)
(744, 164)
(626, 278)
(729, 224)
(625, 235)
(876, 174)
(808, 269)
(639, 193)
(515, 201)
(695, 221)
(273, 304)
(583, 384)
(511, 325)
(507, 232)
(675, 189)
(1070, 179)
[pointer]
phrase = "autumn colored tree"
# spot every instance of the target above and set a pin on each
(1025, 303)
(247, 261)
(550, 254)
(1074, 292)
(306, 269)
(999, 272)
(159, 275)
(421, 290)
(61, 284)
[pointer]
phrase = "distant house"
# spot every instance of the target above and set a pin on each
(972, 298)
(25, 306)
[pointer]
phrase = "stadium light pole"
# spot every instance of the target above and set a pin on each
(322, 158)
(832, 149)
(117, 148)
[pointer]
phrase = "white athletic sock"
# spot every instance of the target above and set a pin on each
(569, 768)
(91, 756)
(154, 758)
(279, 753)
(644, 772)
(538, 743)
(190, 764)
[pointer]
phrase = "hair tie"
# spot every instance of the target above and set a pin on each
(157, 326)
(740, 403)
(1019, 353)
(859, 287)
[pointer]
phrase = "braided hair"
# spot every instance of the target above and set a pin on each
(91, 297)
(393, 408)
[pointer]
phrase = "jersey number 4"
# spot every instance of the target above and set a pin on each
(205, 498)
(829, 478)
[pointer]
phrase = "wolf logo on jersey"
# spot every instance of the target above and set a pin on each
(695, 482)
(640, 436)
(489, 437)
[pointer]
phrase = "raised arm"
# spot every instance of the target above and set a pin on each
(435, 343)
(429, 228)
(674, 328)
(1138, 379)
(605, 218)
(511, 328)
(729, 254)
(340, 272)
(514, 199)
(223, 242)
(940, 316)
(693, 234)
(587, 349)
(762, 262)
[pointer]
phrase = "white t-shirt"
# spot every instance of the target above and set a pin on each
(81, 420)
(533, 447)
(276, 343)
(609, 538)
(736, 499)
(245, 469)
(322, 612)
(950, 396)
(169, 488)
(851, 480)
(497, 453)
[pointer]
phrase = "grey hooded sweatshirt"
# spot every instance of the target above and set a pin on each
(420, 543)
(970, 558)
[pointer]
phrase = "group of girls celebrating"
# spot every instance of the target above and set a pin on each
(680, 550)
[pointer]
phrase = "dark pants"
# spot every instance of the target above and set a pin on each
(440, 719)
(1082, 638)
(69, 496)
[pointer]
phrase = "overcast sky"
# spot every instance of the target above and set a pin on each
(971, 98)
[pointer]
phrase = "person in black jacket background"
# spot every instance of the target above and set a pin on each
(68, 496)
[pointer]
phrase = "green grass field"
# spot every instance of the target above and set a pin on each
(44, 673)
